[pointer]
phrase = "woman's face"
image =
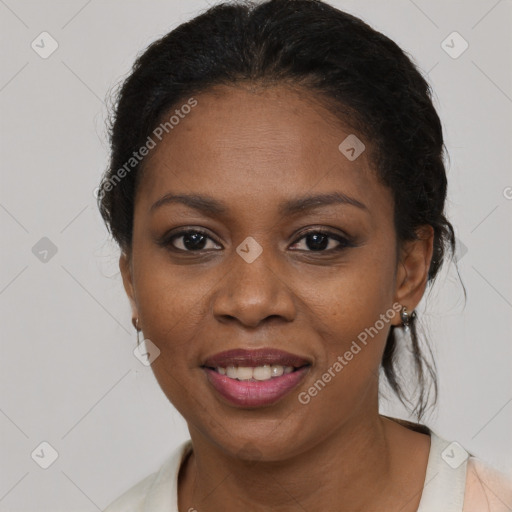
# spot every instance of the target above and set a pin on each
(251, 155)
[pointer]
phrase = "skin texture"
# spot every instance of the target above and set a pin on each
(253, 149)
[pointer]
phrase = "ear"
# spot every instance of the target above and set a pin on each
(412, 271)
(125, 266)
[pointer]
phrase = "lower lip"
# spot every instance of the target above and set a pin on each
(254, 394)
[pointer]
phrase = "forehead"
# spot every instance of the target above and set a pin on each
(247, 146)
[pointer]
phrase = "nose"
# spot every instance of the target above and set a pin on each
(252, 293)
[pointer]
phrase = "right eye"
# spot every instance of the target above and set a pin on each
(190, 240)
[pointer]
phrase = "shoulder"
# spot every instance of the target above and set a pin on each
(487, 489)
(133, 499)
(457, 480)
(157, 491)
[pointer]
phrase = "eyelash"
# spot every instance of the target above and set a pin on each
(344, 242)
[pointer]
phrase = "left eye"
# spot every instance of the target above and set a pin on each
(319, 241)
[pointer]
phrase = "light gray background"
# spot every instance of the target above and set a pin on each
(68, 373)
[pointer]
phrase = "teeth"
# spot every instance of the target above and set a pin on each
(265, 372)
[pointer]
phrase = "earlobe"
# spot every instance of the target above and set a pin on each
(126, 272)
(414, 264)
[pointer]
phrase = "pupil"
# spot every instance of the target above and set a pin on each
(197, 241)
(317, 244)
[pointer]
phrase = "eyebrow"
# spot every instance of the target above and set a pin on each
(210, 206)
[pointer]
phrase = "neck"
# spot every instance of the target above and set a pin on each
(348, 471)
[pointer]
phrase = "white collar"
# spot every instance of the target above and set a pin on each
(443, 487)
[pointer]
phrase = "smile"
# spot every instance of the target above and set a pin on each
(252, 392)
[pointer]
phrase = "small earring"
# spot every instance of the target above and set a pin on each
(406, 318)
(135, 322)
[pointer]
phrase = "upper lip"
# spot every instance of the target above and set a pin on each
(255, 357)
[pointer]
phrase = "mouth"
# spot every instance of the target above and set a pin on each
(255, 378)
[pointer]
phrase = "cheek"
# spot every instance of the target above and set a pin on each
(351, 296)
(172, 308)
(351, 311)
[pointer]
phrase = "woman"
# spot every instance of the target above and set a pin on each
(277, 190)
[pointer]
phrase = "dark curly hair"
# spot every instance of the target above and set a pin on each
(355, 71)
